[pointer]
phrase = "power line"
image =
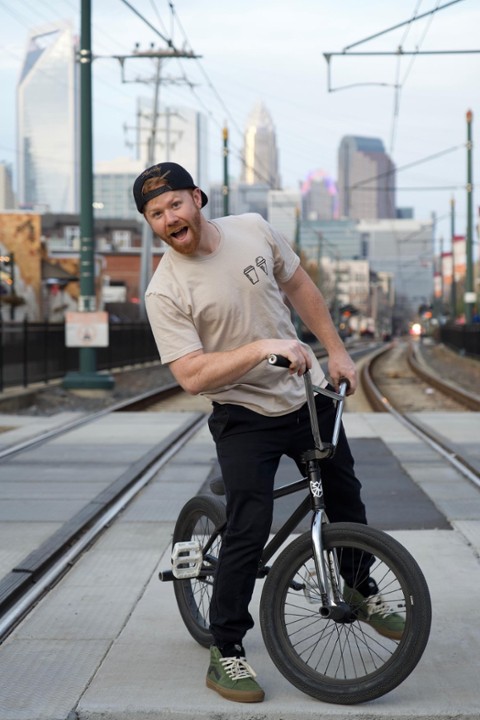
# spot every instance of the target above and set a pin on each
(399, 25)
(399, 85)
(410, 165)
(147, 22)
(239, 152)
(419, 187)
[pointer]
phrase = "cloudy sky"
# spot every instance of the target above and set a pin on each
(273, 50)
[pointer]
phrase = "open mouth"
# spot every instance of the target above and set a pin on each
(179, 234)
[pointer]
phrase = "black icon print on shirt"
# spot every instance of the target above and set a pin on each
(251, 271)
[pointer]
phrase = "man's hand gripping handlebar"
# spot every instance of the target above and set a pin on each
(324, 449)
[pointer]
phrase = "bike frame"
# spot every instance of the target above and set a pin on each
(328, 577)
(326, 564)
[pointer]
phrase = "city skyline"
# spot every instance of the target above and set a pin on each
(288, 72)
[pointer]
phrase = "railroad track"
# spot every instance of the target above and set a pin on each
(381, 403)
(33, 576)
(133, 404)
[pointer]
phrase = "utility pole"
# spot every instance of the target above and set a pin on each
(87, 377)
(226, 184)
(147, 235)
(470, 296)
(440, 306)
(453, 287)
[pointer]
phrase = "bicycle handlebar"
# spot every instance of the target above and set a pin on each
(282, 361)
(278, 360)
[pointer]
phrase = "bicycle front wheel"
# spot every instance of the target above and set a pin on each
(345, 662)
(198, 520)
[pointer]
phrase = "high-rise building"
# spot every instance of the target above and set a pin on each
(366, 179)
(260, 154)
(47, 121)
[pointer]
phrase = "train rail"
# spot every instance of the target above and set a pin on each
(31, 578)
(381, 403)
(136, 403)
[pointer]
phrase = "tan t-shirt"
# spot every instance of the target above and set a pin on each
(227, 299)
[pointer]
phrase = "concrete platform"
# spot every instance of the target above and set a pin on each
(44, 488)
(108, 642)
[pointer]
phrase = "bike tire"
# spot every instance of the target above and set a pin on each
(343, 663)
(197, 520)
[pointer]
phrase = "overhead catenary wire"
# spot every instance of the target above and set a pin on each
(147, 22)
(399, 25)
(201, 68)
(238, 152)
(388, 173)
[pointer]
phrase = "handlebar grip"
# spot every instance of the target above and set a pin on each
(343, 386)
(278, 360)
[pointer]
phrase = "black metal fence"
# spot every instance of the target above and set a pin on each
(35, 352)
(462, 338)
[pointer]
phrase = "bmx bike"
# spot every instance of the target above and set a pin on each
(315, 629)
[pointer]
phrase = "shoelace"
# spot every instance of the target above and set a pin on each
(377, 605)
(237, 668)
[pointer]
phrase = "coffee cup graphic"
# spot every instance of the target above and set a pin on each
(251, 274)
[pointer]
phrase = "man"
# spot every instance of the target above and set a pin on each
(216, 305)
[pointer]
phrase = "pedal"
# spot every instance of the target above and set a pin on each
(187, 559)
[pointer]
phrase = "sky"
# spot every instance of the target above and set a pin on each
(273, 51)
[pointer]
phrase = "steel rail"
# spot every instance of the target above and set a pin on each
(18, 604)
(420, 368)
(143, 399)
(380, 403)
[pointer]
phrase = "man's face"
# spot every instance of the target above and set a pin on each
(175, 217)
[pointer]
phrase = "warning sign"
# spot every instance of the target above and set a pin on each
(86, 329)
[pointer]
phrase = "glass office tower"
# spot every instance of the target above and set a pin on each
(260, 153)
(366, 179)
(47, 122)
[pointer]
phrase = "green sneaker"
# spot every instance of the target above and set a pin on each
(233, 678)
(376, 612)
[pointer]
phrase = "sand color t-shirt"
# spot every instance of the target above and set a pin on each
(226, 299)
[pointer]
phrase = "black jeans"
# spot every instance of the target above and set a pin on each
(249, 448)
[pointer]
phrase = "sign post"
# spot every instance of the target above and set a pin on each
(86, 377)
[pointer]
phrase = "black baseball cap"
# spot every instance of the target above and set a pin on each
(177, 179)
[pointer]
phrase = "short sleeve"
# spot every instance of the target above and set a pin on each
(173, 329)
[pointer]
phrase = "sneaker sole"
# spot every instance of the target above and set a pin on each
(236, 695)
(392, 635)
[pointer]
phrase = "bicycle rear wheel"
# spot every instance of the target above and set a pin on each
(344, 662)
(197, 521)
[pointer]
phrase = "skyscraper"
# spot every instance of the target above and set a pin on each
(260, 154)
(47, 121)
(366, 179)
